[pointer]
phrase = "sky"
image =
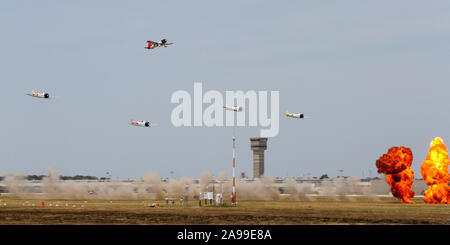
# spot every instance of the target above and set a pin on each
(371, 74)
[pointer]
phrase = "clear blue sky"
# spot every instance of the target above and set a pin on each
(372, 74)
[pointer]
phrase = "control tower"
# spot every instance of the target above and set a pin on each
(258, 146)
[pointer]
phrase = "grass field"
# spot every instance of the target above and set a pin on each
(320, 211)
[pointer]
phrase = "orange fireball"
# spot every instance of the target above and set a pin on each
(401, 185)
(395, 161)
(435, 173)
(396, 165)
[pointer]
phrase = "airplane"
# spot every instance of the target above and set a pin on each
(295, 115)
(152, 44)
(233, 108)
(42, 95)
(141, 123)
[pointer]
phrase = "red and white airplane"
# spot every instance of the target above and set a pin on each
(162, 43)
(42, 95)
(295, 115)
(141, 123)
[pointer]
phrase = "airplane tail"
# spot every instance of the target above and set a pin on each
(287, 112)
(32, 92)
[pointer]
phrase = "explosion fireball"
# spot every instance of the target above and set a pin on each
(396, 165)
(435, 173)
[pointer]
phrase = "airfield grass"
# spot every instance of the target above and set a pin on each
(321, 210)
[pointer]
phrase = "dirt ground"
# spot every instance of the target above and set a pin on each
(320, 211)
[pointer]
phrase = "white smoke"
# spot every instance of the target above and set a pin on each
(259, 189)
(16, 185)
(299, 191)
(205, 181)
(152, 187)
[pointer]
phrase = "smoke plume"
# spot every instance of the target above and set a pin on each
(152, 187)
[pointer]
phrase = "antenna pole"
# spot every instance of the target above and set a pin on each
(233, 194)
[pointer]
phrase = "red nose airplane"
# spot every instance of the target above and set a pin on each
(141, 123)
(162, 43)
